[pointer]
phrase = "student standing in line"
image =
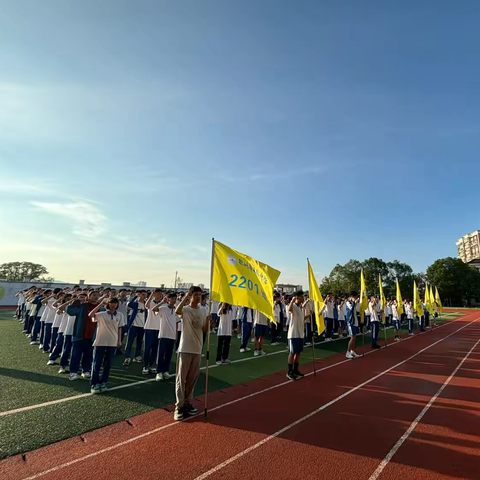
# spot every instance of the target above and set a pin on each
(48, 318)
(226, 316)
(20, 305)
(374, 321)
(82, 338)
(180, 297)
(35, 308)
(122, 308)
(167, 334)
(107, 338)
(353, 323)
(57, 351)
(328, 315)
(152, 327)
(279, 316)
(247, 324)
(295, 335)
(238, 318)
(68, 332)
(409, 312)
(195, 321)
(214, 316)
(309, 309)
(136, 328)
(395, 320)
(260, 325)
(57, 320)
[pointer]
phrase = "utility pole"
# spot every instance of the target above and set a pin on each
(176, 275)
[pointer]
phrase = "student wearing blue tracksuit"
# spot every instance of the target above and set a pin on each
(247, 325)
(374, 321)
(60, 338)
(136, 326)
(35, 311)
(122, 308)
(107, 338)
(83, 333)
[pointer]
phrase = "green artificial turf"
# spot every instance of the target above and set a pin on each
(25, 380)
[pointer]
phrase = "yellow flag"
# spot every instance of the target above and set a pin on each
(239, 279)
(383, 300)
(317, 298)
(432, 300)
(428, 300)
(399, 299)
(437, 299)
(363, 296)
(417, 305)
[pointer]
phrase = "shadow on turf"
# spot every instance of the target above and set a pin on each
(382, 412)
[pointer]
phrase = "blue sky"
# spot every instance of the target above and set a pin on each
(133, 132)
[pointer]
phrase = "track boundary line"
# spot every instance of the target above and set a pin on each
(319, 409)
(149, 380)
(163, 427)
(417, 420)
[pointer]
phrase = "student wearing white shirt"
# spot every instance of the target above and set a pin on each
(409, 311)
(107, 338)
(122, 308)
(57, 351)
(47, 318)
(226, 315)
(395, 320)
(167, 334)
(374, 321)
(328, 315)
(260, 325)
(342, 315)
(388, 313)
(353, 323)
(295, 336)
(195, 321)
(152, 327)
(68, 331)
(57, 320)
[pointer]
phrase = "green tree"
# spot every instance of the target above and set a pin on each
(18, 271)
(455, 280)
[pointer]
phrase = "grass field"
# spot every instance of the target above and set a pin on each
(26, 381)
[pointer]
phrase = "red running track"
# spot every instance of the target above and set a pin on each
(340, 424)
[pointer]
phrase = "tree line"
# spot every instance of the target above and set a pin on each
(457, 282)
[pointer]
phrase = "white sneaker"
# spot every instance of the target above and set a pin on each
(219, 362)
(349, 355)
(203, 355)
(262, 352)
(274, 344)
(247, 349)
(256, 353)
(51, 362)
(328, 339)
(62, 370)
(239, 336)
(355, 355)
(40, 346)
(138, 359)
(145, 371)
(34, 342)
(307, 344)
(74, 376)
(152, 370)
(411, 334)
(226, 362)
(86, 375)
(166, 376)
(252, 340)
(159, 377)
(127, 361)
(242, 350)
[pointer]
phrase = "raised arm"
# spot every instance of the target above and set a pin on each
(179, 309)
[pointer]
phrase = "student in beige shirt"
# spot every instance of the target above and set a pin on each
(194, 323)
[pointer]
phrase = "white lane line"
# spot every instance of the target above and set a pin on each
(323, 407)
(143, 435)
(413, 425)
(149, 380)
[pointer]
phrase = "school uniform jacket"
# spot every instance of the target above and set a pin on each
(133, 304)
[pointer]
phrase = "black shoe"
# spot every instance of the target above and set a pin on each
(298, 374)
(376, 345)
(291, 376)
(190, 410)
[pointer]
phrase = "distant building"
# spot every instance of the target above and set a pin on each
(142, 284)
(468, 247)
(184, 285)
(287, 288)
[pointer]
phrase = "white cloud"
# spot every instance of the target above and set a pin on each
(87, 220)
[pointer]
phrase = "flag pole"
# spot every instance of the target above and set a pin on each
(207, 353)
(311, 326)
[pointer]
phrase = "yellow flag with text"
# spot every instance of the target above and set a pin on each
(437, 299)
(363, 296)
(317, 298)
(432, 300)
(383, 300)
(428, 300)
(417, 304)
(239, 279)
(399, 299)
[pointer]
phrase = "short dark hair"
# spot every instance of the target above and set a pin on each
(57, 290)
(157, 290)
(196, 289)
(353, 293)
(298, 293)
